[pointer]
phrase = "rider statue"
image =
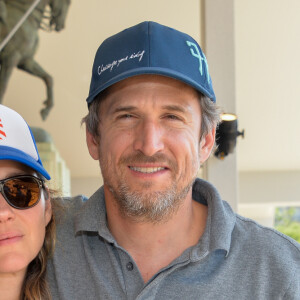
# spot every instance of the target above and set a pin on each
(19, 52)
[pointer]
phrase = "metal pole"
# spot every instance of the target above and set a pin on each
(19, 24)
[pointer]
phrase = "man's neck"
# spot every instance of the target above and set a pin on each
(155, 245)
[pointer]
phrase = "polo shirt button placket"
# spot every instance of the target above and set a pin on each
(129, 266)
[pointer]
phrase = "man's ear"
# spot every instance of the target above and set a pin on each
(92, 145)
(206, 145)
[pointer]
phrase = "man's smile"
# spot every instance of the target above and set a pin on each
(147, 170)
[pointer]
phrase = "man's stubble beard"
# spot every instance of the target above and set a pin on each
(153, 207)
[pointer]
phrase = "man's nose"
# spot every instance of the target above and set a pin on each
(149, 138)
(6, 211)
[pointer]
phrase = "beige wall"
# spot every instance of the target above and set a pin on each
(267, 83)
(270, 187)
(261, 192)
(268, 94)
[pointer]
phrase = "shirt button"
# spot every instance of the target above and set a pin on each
(129, 266)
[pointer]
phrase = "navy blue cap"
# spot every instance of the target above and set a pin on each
(150, 48)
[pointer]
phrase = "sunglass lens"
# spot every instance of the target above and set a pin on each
(22, 192)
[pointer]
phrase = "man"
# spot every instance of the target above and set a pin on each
(154, 231)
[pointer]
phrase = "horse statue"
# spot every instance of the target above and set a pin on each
(20, 50)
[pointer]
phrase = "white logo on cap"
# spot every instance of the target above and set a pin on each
(116, 63)
(201, 58)
(15, 133)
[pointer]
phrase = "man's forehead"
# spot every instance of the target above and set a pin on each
(148, 78)
(165, 92)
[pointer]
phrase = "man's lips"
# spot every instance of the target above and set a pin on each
(147, 170)
(158, 163)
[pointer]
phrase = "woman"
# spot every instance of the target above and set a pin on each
(26, 222)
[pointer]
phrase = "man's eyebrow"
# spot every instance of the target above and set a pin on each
(123, 108)
(177, 108)
(170, 107)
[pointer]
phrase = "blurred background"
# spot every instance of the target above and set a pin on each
(252, 49)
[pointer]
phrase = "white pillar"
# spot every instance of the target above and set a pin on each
(56, 167)
(220, 52)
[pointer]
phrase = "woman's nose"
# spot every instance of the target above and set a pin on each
(6, 211)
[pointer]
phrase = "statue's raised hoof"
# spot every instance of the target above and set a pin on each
(44, 113)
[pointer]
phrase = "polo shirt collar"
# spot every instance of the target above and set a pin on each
(92, 216)
(220, 220)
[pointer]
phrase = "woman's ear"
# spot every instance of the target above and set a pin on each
(92, 145)
(206, 145)
(48, 207)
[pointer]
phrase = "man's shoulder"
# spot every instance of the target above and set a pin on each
(81, 213)
(66, 208)
(76, 201)
(266, 240)
(69, 205)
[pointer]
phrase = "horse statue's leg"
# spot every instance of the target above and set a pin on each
(7, 66)
(32, 67)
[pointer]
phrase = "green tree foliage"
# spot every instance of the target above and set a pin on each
(287, 223)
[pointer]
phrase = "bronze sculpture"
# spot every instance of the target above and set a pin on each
(19, 51)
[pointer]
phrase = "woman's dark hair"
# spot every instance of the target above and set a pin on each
(35, 286)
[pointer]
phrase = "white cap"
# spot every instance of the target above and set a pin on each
(17, 142)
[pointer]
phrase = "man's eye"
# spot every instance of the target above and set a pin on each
(173, 117)
(126, 116)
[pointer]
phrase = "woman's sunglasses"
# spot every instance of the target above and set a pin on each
(22, 191)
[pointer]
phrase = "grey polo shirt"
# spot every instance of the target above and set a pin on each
(236, 258)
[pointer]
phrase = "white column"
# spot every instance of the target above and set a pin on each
(220, 52)
(56, 167)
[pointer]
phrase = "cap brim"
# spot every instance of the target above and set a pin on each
(19, 156)
(151, 71)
